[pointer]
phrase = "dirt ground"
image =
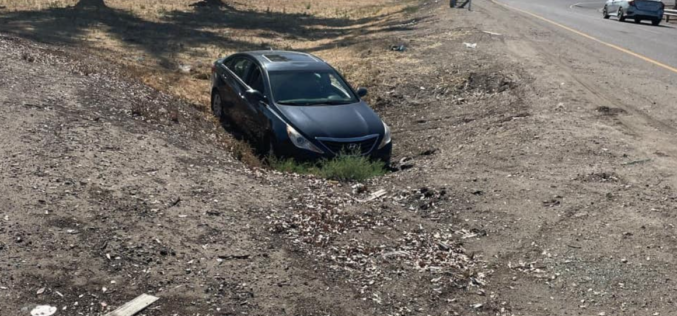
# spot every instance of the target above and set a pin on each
(528, 185)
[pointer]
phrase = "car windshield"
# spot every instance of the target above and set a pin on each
(310, 88)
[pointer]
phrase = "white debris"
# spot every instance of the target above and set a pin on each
(43, 310)
(492, 33)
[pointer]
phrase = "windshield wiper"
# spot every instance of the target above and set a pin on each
(292, 103)
(314, 103)
(331, 103)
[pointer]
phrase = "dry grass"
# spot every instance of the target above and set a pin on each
(155, 38)
(156, 8)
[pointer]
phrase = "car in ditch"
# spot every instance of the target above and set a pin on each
(637, 10)
(295, 105)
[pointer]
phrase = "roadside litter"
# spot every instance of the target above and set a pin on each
(492, 33)
(472, 46)
(374, 196)
(398, 48)
(134, 306)
(636, 162)
(43, 310)
(185, 68)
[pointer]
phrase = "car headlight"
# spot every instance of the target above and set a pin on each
(386, 136)
(301, 142)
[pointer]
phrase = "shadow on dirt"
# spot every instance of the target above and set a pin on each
(209, 23)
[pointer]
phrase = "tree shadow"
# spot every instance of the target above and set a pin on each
(210, 23)
(70, 26)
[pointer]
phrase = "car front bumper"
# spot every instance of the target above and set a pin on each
(287, 150)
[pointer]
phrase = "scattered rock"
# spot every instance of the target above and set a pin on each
(429, 152)
(552, 203)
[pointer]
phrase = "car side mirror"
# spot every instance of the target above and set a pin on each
(362, 92)
(257, 95)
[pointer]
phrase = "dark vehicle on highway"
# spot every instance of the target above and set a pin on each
(636, 10)
(295, 105)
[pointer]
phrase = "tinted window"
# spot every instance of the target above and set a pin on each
(256, 80)
(309, 87)
(239, 66)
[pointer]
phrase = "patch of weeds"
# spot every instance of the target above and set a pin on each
(342, 168)
(356, 168)
(292, 166)
(412, 9)
(242, 151)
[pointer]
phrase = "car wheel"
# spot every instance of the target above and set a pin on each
(605, 13)
(217, 105)
(638, 21)
(621, 17)
(655, 22)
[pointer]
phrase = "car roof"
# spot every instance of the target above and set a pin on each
(275, 60)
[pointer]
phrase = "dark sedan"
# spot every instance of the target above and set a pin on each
(295, 105)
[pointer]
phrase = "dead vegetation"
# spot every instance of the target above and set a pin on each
(170, 45)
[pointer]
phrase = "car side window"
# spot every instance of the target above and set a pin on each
(239, 66)
(255, 80)
(338, 86)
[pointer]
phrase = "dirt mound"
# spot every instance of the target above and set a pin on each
(609, 111)
(488, 82)
(610, 177)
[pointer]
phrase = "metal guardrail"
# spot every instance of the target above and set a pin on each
(669, 13)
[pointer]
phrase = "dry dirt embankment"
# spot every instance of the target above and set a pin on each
(111, 189)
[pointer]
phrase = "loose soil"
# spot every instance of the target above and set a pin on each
(525, 187)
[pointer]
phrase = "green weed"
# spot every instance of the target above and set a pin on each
(342, 168)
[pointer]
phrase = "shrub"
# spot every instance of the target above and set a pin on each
(342, 168)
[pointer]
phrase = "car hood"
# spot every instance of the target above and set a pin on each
(336, 121)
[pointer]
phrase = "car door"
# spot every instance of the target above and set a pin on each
(612, 7)
(256, 104)
(235, 92)
(619, 4)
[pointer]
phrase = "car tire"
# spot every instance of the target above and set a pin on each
(621, 16)
(655, 22)
(638, 21)
(217, 105)
(605, 13)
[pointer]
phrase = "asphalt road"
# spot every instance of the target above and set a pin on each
(657, 43)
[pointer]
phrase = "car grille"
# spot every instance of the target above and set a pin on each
(363, 146)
